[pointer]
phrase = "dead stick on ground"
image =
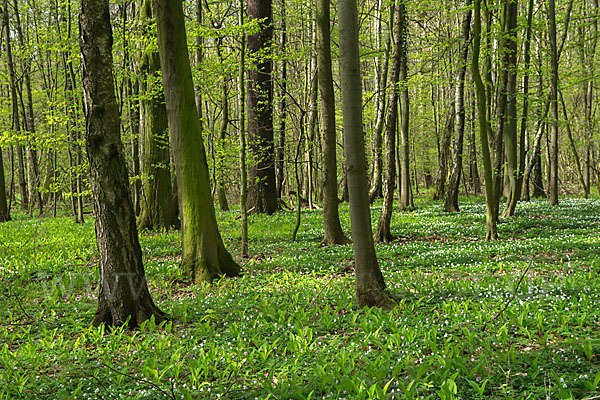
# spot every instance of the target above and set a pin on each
(512, 297)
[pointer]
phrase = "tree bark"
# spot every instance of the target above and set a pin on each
(262, 195)
(204, 255)
(331, 219)
(383, 232)
(451, 198)
(123, 295)
(510, 129)
(405, 188)
(370, 286)
(484, 127)
(440, 181)
(157, 209)
(280, 150)
(553, 104)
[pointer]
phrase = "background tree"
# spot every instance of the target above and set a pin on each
(204, 256)
(331, 219)
(370, 286)
(262, 195)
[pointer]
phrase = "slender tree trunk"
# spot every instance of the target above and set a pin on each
(204, 255)
(474, 181)
(16, 124)
(440, 182)
(553, 104)
(331, 219)
(4, 211)
(220, 178)
(451, 198)
(157, 208)
(572, 145)
(405, 188)
(280, 150)
(123, 295)
(370, 286)
(484, 128)
(383, 232)
(242, 134)
(33, 170)
(380, 98)
(510, 128)
(262, 195)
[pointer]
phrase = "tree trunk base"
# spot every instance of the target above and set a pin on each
(375, 298)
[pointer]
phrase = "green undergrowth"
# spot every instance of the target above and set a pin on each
(513, 319)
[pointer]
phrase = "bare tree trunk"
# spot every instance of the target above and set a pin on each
(370, 286)
(280, 150)
(123, 294)
(484, 127)
(440, 182)
(262, 195)
(405, 188)
(242, 134)
(331, 219)
(157, 208)
(451, 198)
(204, 256)
(553, 104)
(383, 232)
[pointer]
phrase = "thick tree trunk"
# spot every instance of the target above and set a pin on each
(370, 286)
(123, 294)
(451, 198)
(204, 255)
(331, 219)
(383, 232)
(262, 195)
(157, 208)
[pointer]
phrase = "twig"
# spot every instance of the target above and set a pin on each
(27, 314)
(321, 291)
(512, 297)
(140, 380)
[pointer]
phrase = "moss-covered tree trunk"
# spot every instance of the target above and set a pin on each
(370, 286)
(262, 193)
(406, 199)
(123, 293)
(331, 219)
(204, 255)
(157, 208)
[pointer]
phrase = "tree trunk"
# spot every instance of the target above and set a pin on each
(510, 128)
(204, 255)
(4, 211)
(382, 65)
(440, 182)
(484, 127)
(553, 104)
(370, 286)
(123, 294)
(451, 199)
(242, 134)
(280, 150)
(383, 232)
(331, 219)
(262, 195)
(16, 124)
(157, 208)
(405, 188)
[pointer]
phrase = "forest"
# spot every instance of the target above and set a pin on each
(278, 199)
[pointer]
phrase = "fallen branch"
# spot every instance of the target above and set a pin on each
(512, 297)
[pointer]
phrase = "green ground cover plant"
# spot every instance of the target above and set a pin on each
(517, 318)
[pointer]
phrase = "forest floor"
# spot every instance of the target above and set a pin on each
(517, 318)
